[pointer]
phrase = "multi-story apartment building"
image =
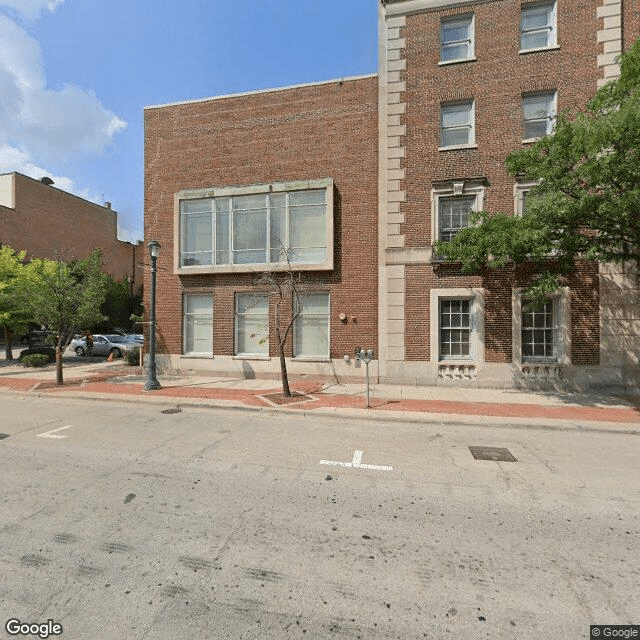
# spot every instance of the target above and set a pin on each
(460, 86)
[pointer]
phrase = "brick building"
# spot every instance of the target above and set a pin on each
(381, 166)
(47, 222)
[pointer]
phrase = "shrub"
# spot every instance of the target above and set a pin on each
(133, 357)
(35, 360)
(47, 351)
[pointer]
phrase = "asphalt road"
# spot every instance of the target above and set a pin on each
(120, 522)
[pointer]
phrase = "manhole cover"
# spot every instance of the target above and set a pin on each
(3, 436)
(497, 454)
(174, 410)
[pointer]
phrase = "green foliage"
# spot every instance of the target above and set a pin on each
(587, 201)
(65, 296)
(119, 305)
(13, 314)
(133, 357)
(35, 360)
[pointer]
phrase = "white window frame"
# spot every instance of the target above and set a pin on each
(520, 191)
(454, 188)
(471, 126)
(552, 40)
(469, 19)
(550, 116)
(562, 308)
(476, 336)
(327, 317)
(264, 354)
(325, 184)
(185, 321)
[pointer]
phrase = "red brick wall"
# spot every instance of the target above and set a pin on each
(496, 80)
(53, 224)
(630, 22)
(321, 131)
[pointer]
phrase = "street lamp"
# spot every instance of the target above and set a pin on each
(152, 382)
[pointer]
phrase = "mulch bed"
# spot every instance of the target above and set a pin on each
(278, 398)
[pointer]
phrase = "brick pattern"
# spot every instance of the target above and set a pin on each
(50, 223)
(311, 132)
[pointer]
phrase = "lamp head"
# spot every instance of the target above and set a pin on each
(154, 248)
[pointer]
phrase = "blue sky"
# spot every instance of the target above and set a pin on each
(75, 76)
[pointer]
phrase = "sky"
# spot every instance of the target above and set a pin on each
(75, 76)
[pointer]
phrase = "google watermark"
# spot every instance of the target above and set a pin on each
(626, 631)
(40, 629)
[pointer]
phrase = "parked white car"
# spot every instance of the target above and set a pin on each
(104, 345)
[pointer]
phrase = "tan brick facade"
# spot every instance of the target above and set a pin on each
(47, 222)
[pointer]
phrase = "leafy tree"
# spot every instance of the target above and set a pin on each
(284, 286)
(13, 313)
(586, 204)
(67, 297)
(119, 304)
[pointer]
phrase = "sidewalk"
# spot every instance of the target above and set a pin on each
(114, 381)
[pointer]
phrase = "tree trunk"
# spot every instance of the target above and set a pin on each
(8, 352)
(286, 392)
(59, 379)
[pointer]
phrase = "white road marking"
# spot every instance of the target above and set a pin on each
(50, 434)
(356, 463)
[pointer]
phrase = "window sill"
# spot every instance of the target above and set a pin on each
(551, 48)
(457, 363)
(197, 356)
(251, 357)
(532, 140)
(458, 146)
(310, 359)
(444, 63)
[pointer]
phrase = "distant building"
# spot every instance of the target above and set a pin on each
(47, 222)
(360, 176)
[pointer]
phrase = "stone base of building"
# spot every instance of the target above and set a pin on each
(526, 377)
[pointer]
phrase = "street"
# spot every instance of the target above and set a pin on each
(120, 521)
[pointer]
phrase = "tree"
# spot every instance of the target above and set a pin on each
(13, 313)
(66, 296)
(586, 204)
(119, 304)
(286, 288)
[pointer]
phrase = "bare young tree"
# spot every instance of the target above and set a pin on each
(286, 288)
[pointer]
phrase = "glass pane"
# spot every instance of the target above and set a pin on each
(222, 236)
(277, 200)
(252, 303)
(249, 236)
(535, 17)
(315, 303)
(278, 232)
(537, 106)
(199, 304)
(456, 115)
(315, 196)
(307, 226)
(196, 206)
(455, 30)
(455, 137)
(455, 52)
(535, 39)
(311, 336)
(536, 129)
(249, 202)
(253, 335)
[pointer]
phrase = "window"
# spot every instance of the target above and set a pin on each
(456, 317)
(521, 195)
(311, 328)
(454, 215)
(198, 324)
(456, 39)
(538, 26)
(241, 228)
(252, 324)
(451, 203)
(539, 333)
(539, 111)
(455, 329)
(457, 127)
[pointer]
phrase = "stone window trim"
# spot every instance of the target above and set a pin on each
(562, 300)
(256, 189)
(476, 297)
(463, 187)
(520, 190)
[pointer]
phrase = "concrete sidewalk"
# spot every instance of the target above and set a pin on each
(114, 381)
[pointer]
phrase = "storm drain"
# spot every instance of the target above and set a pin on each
(497, 454)
(174, 410)
(3, 436)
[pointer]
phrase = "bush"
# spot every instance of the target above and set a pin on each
(46, 351)
(35, 360)
(133, 357)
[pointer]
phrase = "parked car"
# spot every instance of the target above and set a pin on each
(104, 345)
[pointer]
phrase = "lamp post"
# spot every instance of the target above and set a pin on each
(152, 382)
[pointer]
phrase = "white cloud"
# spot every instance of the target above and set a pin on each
(31, 8)
(53, 125)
